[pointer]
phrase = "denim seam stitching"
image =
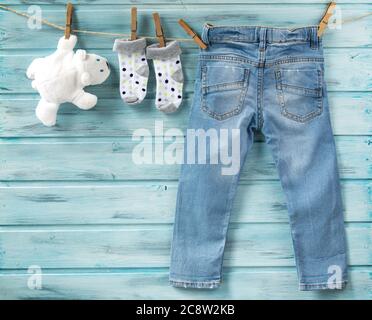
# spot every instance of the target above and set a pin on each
(239, 27)
(196, 281)
(315, 93)
(228, 213)
(253, 63)
(292, 60)
(294, 41)
(285, 112)
(316, 284)
(231, 113)
(248, 40)
(224, 87)
(228, 58)
(197, 285)
(260, 92)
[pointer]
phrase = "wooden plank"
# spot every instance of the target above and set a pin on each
(115, 228)
(346, 70)
(242, 283)
(149, 246)
(115, 19)
(107, 203)
(111, 159)
(184, 3)
(351, 115)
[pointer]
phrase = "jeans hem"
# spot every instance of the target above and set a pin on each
(323, 286)
(208, 284)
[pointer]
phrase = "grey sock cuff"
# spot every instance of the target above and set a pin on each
(129, 46)
(171, 50)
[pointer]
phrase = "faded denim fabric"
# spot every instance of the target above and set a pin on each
(269, 80)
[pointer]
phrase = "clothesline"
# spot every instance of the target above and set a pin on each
(110, 34)
(97, 33)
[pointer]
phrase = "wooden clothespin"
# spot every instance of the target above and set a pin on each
(68, 20)
(193, 35)
(159, 29)
(324, 22)
(133, 24)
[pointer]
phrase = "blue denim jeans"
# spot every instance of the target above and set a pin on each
(269, 80)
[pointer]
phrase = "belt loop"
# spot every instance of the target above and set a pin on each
(205, 33)
(314, 39)
(269, 35)
(263, 37)
(257, 34)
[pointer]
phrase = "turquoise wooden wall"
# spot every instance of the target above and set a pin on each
(72, 201)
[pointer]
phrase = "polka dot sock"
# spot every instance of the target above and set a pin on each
(134, 70)
(169, 76)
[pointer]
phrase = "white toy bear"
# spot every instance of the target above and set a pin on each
(61, 77)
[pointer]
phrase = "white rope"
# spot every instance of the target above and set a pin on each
(110, 34)
(97, 33)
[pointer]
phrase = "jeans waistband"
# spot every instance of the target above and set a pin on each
(215, 34)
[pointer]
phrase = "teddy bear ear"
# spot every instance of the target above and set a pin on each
(85, 79)
(82, 54)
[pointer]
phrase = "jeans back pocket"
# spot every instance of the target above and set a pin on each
(300, 93)
(223, 90)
